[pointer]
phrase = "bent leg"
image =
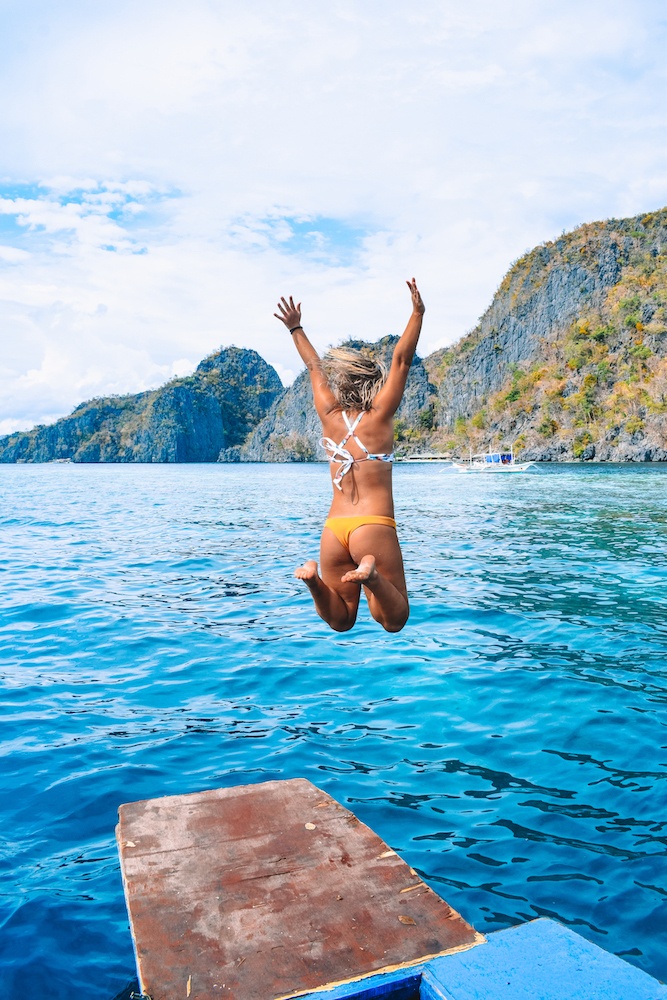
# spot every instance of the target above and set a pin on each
(335, 602)
(376, 551)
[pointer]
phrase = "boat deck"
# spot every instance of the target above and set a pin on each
(271, 890)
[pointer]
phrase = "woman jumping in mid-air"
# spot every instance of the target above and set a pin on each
(356, 401)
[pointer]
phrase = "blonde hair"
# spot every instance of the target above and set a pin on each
(354, 377)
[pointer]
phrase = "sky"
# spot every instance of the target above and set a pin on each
(169, 169)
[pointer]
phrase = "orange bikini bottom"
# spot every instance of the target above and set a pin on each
(343, 527)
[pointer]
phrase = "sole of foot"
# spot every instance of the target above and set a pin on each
(307, 572)
(364, 573)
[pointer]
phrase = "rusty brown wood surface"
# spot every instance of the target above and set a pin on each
(270, 890)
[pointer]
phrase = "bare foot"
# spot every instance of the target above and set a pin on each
(307, 572)
(364, 573)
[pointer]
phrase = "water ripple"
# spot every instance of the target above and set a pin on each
(510, 743)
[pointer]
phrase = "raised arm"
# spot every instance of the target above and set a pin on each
(290, 315)
(389, 397)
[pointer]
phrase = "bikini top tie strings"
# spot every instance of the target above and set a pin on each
(339, 453)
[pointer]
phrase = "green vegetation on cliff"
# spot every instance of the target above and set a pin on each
(570, 359)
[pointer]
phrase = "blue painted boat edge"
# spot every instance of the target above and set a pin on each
(539, 960)
(400, 984)
(397, 983)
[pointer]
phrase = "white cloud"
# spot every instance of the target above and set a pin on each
(13, 255)
(171, 168)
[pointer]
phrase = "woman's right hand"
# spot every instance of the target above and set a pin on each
(290, 314)
(418, 306)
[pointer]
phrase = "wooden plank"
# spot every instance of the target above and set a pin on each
(270, 890)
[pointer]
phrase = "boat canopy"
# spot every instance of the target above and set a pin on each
(498, 457)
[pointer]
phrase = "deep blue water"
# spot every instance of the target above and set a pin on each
(510, 743)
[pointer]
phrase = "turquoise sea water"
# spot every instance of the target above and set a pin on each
(510, 743)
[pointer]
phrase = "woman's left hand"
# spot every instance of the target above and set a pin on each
(289, 313)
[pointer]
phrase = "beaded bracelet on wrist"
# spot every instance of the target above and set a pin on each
(299, 327)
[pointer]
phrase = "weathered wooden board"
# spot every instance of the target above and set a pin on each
(270, 890)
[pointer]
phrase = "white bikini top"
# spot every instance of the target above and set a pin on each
(339, 453)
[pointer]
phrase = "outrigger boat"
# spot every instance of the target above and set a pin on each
(491, 462)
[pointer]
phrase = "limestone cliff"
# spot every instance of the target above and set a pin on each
(570, 359)
(568, 362)
(188, 420)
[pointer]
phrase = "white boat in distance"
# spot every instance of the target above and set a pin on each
(492, 462)
(427, 456)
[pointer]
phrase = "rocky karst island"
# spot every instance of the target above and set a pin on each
(569, 362)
